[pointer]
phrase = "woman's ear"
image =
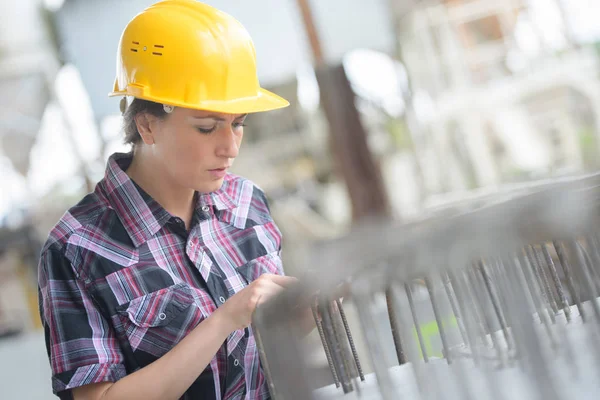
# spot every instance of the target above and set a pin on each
(143, 121)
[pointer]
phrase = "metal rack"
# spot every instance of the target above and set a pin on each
(518, 271)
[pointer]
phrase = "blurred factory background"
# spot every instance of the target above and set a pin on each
(444, 99)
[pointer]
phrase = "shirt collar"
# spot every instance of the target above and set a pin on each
(141, 215)
(226, 198)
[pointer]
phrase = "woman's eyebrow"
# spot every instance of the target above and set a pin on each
(217, 117)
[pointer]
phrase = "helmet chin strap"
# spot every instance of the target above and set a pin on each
(168, 109)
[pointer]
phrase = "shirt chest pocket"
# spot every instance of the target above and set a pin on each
(154, 323)
(269, 263)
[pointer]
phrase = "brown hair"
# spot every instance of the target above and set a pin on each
(132, 136)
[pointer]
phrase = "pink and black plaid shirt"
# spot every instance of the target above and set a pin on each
(121, 282)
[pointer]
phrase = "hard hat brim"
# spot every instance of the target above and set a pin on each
(264, 101)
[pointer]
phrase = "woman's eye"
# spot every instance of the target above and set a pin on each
(238, 125)
(206, 131)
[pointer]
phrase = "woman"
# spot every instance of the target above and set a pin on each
(147, 286)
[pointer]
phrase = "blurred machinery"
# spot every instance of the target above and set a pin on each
(512, 280)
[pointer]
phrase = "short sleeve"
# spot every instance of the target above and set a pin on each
(81, 344)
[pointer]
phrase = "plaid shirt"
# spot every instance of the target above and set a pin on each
(121, 282)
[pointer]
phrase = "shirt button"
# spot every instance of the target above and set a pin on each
(162, 316)
(236, 363)
(205, 208)
(222, 299)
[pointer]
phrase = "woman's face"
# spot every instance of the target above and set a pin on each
(196, 148)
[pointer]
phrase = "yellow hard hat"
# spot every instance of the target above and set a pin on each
(187, 54)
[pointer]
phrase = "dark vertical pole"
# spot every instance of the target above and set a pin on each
(348, 138)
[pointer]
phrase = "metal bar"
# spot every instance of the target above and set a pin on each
(319, 324)
(395, 329)
(373, 338)
(587, 280)
(550, 293)
(264, 362)
(564, 305)
(438, 318)
(350, 340)
(346, 355)
(538, 282)
(537, 366)
(591, 276)
(334, 346)
(487, 320)
(527, 273)
(416, 321)
(478, 311)
(452, 299)
(495, 302)
(562, 257)
(470, 324)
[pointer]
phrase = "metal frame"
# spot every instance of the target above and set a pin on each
(494, 258)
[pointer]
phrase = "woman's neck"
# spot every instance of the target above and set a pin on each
(153, 178)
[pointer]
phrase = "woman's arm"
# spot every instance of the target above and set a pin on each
(172, 374)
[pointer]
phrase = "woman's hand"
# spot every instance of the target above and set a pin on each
(237, 311)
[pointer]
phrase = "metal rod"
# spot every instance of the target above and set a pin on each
(550, 293)
(334, 345)
(482, 298)
(562, 257)
(460, 285)
(588, 281)
(373, 338)
(527, 273)
(564, 305)
(350, 340)
(539, 282)
(533, 357)
(395, 329)
(346, 354)
(478, 311)
(416, 321)
(438, 318)
(401, 306)
(495, 302)
(591, 275)
(452, 299)
(319, 324)
(595, 251)
(264, 362)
